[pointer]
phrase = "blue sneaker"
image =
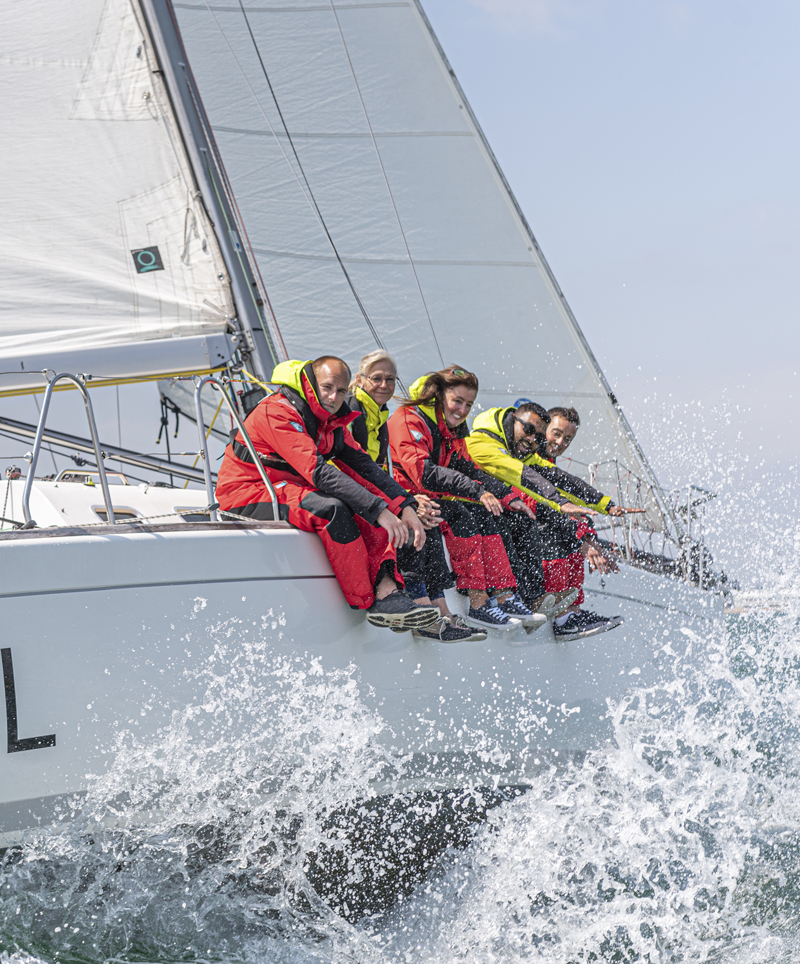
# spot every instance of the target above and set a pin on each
(516, 609)
(490, 616)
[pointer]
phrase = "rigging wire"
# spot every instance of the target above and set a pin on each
(385, 180)
(306, 189)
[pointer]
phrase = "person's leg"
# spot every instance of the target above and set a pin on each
(336, 526)
(563, 563)
(474, 555)
(523, 545)
(464, 545)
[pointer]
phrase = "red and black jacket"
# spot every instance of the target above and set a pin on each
(428, 457)
(296, 438)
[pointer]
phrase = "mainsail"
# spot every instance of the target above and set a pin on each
(109, 263)
(378, 215)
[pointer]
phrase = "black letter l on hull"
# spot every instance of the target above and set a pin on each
(15, 745)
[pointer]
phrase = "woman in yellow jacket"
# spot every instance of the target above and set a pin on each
(426, 573)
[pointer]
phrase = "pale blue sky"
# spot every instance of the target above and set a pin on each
(654, 147)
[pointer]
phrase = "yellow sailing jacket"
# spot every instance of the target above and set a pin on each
(540, 478)
(369, 428)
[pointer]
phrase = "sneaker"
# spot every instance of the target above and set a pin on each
(398, 611)
(490, 617)
(445, 632)
(516, 609)
(554, 603)
(476, 635)
(581, 624)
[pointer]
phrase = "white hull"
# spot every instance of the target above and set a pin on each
(109, 629)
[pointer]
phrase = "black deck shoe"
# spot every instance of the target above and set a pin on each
(398, 611)
(581, 624)
(444, 630)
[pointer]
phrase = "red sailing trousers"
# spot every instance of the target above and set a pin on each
(565, 573)
(479, 558)
(356, 550)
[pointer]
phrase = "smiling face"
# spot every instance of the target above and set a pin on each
(378, 382)
(332, 382)
(457, 404)
(528, 442)
(560, 433)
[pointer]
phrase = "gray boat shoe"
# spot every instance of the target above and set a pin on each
(399, 611)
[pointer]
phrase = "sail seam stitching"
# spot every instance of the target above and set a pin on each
(307, 192)
(386, 180)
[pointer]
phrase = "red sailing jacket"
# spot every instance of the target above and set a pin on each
(295, 438)
(428, 458)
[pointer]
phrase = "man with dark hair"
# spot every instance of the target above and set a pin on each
(509, 444)
(361, 514)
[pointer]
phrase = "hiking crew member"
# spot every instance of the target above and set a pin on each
(369, 395)
(511, 443)
(426, 571)
(429, 456)
(359, 512)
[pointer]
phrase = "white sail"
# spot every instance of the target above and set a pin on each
(369, 138)
(104, 242)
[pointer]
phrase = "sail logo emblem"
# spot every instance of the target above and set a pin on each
(147, 259)
(296, 425)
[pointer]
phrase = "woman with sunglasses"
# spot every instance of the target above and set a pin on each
(426, 436)
(425, 571)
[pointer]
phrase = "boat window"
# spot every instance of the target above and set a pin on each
(91, 478)
(192, 514)
(120, 515)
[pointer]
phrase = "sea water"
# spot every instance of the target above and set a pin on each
(680, 844)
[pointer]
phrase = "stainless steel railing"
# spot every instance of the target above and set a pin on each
(200, 384)
(80, 383)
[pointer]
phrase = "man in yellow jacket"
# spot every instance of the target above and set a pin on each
(510, 443)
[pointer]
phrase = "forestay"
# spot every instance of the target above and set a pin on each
(369, 139)
(103, 242)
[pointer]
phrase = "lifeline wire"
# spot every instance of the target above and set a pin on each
(385, 180)
(307, 192)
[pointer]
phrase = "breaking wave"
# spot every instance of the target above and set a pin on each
(225, 840)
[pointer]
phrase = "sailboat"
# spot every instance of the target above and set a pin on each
(196, 191)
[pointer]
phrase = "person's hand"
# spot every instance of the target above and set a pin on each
(492, 503)
(398, 531)
(570, 509)
(428, 511)
(415, 526)
(519, 506)
(597, 558)
(621, 510)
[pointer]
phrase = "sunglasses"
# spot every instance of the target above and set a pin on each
(458, 371)
(528, 427)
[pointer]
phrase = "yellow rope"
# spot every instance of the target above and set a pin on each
(253, 379)
(106, 382)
